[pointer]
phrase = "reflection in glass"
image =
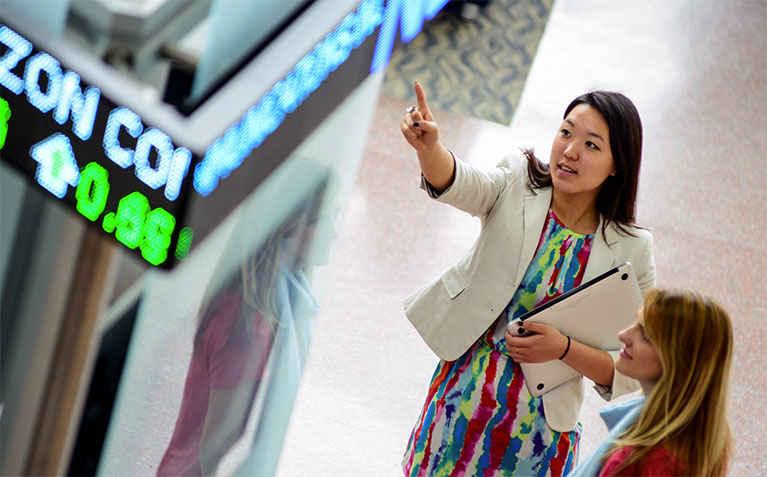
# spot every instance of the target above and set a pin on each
(253, 332)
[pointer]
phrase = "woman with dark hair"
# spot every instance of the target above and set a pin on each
(616, 201)
(546, 228)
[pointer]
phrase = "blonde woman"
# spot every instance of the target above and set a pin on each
(680, 351)
(257, 311)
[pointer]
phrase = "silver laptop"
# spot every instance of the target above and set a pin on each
(592, 314)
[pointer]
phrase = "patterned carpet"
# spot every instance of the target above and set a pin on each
(472, 67)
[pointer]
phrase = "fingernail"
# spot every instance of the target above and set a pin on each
(416, 124)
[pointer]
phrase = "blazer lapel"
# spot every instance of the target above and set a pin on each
(536, 209)
(601, 258)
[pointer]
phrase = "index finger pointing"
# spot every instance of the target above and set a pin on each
(420, 96)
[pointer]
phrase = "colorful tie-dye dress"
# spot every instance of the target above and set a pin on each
(479, 418)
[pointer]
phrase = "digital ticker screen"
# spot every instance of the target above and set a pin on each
(100, 158)
(129, 179)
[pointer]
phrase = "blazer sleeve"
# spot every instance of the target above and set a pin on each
(623, 384)
(646, 270)
(474, 190)
(620, 386)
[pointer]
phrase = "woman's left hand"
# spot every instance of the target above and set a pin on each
(545, 343)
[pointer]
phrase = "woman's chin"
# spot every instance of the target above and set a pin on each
(620, 366)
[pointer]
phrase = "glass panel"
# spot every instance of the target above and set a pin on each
(49, 16)
(11, 203)
(236, 28)
(219, 344)
(178, 50)
(40, 243)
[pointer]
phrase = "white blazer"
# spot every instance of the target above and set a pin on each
(452, 311)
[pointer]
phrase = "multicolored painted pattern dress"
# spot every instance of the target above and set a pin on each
(479, 418)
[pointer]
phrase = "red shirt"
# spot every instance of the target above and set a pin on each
(223, 362)
(657, 462)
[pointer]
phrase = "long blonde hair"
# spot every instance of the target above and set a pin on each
(687, 409)
(253, 266)
(254, 281)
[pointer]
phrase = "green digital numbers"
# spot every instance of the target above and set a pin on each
(184, 243)
(158, 228)
(109, 224)
(131, 215)
(5, 115)
(92, 191)
(134, 224)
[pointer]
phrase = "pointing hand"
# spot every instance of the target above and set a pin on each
(418, 126)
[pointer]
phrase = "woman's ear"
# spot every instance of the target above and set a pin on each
(614, 172)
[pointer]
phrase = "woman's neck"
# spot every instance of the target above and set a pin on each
(647, 387)
(579, 215)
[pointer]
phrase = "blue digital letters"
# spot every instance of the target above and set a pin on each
(172, 165)
(64, 96)
(63, 91)
(18, 49)
(410, 15)
(228, 152)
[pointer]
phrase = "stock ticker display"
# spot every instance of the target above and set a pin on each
(128, 178)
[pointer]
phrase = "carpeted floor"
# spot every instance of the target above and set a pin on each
(489, 56)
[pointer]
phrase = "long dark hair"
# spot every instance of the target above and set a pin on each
(616, 201)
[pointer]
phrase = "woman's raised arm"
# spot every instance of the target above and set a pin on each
(420, 130)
